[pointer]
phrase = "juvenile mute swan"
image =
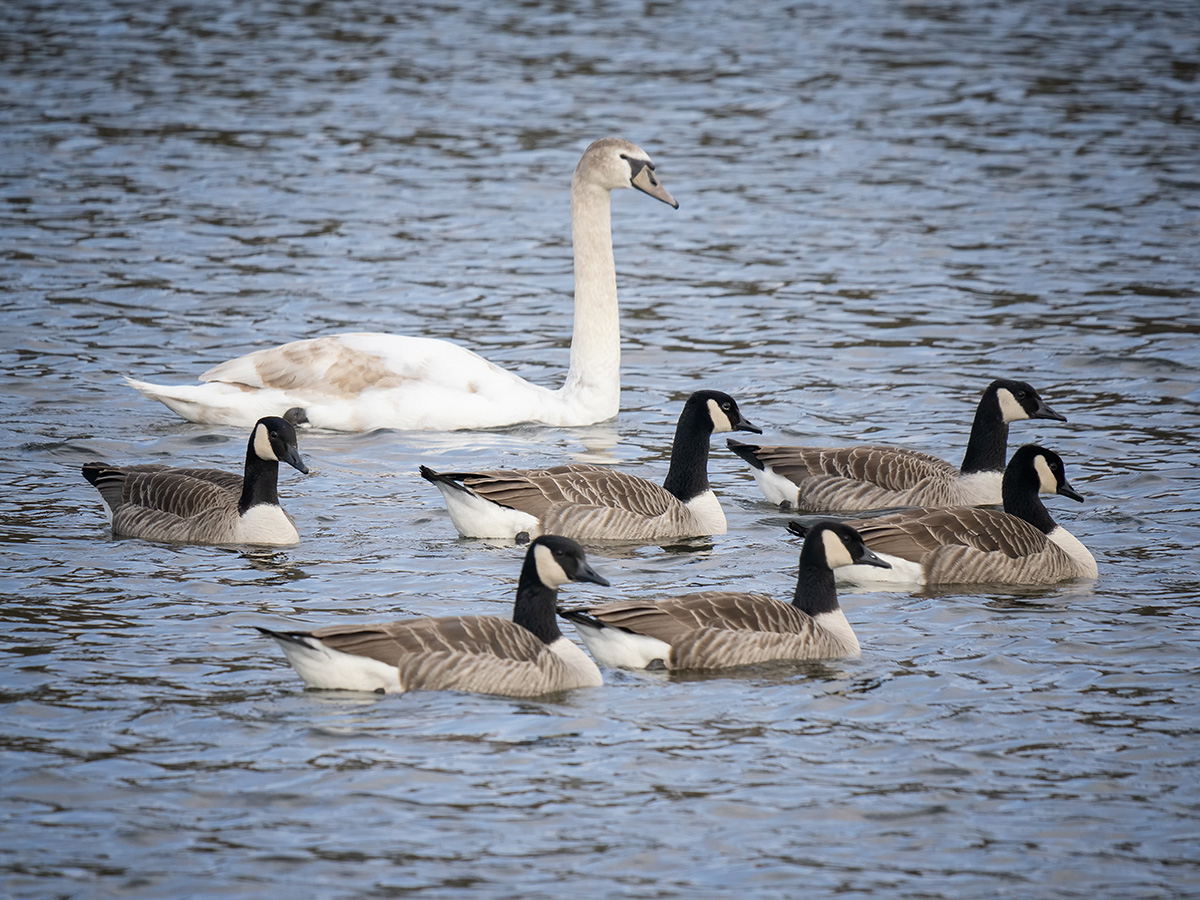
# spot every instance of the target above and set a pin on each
(363, 381)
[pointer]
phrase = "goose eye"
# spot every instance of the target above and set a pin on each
(726, 406)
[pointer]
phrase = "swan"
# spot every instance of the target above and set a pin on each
(363, 381)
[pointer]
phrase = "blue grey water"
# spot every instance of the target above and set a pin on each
(883, 205)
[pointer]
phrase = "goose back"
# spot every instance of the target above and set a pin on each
(480, 654)
(718, 629)
(179, 506)
(852, 478)
(967, 545)
(1021, 544)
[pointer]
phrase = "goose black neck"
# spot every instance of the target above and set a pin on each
(816, 592)
(260, 482)
(535, 606)
(1021, 499)
(687, 476)
(988, 444)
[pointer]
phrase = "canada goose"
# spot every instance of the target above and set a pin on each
(719, 629)
(594, 502)
(364, 381)
(205, 506)
(524, 657)
(965, 545)
(872, 477)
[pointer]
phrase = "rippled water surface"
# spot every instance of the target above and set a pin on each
(883, 206)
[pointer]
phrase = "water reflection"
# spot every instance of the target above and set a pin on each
(891, 203)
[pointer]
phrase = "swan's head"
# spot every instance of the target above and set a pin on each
(613, 163)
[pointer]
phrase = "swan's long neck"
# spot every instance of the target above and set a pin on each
(594, 377)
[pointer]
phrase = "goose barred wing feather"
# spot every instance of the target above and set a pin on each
(612, 524)
(911, 535)
(673, 618)
(713, 648)
(174, 492)
(718, 629)
(230, 481)
(538, 491)
(966, 545)
(868, 477)
(958, 564)
(892, 468)
(482, 654)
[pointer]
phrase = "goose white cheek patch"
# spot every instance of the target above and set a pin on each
(1009, 407)
(720, 421)
(548, 569)
(262, 444)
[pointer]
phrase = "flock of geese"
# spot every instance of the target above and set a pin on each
(946, 528)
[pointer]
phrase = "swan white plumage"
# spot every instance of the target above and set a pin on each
(363, 381)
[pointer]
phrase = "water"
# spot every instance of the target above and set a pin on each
(883, 206)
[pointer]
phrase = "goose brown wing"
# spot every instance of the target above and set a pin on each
(959, 564)
(913, 534)
(174, 492)
(230, 481)
(674, 618)
(483, 654)
(719, 648)
(618, 524)
(890, 468)
(535, 490)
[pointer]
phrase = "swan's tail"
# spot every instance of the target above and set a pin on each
(208, 404)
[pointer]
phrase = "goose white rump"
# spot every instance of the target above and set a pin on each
(363, 381)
